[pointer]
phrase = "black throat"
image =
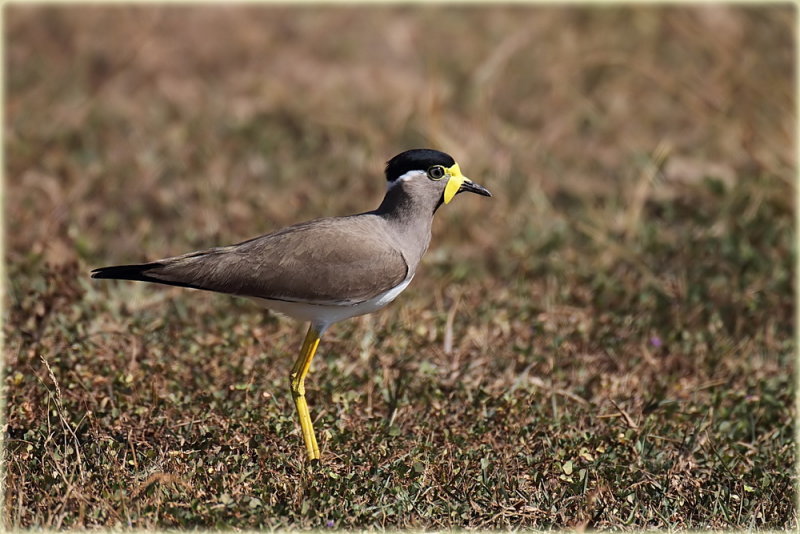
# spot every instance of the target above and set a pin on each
(401, 203)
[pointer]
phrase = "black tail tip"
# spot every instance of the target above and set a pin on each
(98, 273)
(123, 272)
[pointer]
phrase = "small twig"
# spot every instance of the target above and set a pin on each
(628, 420)
(60, 410)
(163, 478)
(133, 450)
(538, 382)
(447, 344)
(664, 438)
(712, 384)
(192, 422)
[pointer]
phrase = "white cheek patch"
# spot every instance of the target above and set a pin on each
(410, 175)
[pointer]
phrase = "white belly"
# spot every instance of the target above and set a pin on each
(324, 315)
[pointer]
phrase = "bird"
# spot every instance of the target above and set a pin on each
(325, 270)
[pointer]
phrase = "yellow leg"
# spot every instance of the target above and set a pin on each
(297, 379)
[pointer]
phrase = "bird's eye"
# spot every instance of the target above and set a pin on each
(436, 172)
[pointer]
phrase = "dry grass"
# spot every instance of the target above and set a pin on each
(620, 347)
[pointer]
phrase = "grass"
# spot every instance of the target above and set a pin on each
(606, 343)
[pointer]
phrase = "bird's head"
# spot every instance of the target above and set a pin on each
(430, 172)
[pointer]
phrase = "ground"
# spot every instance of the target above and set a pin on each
(608, 342)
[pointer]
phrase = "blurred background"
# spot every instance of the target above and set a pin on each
(223, 122)
(636, 258)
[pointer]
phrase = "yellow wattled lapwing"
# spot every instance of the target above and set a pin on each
(325, 270)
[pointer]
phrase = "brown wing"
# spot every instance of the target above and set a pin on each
(340, 260)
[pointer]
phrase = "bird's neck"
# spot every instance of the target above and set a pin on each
(410, 218)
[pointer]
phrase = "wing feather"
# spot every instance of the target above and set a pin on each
(339, 260)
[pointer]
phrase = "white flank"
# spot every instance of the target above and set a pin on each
(324, 315)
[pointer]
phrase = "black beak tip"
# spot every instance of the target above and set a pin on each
(472, 187)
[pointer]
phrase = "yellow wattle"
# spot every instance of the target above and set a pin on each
(453, 183)
(452, 187)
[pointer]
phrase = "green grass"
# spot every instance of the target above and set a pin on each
(621, 312)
